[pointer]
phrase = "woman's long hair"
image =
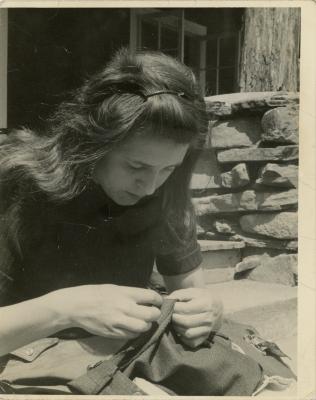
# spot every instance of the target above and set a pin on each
(109, 108)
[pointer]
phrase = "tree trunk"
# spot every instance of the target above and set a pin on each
(270, 50)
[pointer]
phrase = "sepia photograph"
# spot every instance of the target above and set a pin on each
(149, 230)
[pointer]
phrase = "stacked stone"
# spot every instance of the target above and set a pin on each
(245, 184)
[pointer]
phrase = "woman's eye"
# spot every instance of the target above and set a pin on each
(170, 169)
(135, 167)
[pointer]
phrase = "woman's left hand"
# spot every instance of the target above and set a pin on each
(196, 314)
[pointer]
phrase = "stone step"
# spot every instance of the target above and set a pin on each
(232, 103)
(219, 266)
(259, 155)
(219, 259)
(217, 275)
(213, 245)
(238, 132)
(270, 308)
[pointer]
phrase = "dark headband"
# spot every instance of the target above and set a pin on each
(133, 89)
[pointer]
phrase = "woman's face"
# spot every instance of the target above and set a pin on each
(137, 168)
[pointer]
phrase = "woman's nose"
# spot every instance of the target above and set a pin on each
(147, 184)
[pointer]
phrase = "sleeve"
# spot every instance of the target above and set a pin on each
(177, 255)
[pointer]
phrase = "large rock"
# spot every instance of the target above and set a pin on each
(262, 154)
(251, 262)
(236, 178)
(211, 235)
(249, 200)
(256, 251)
(230, 230)
(239, 132)
(279, 226)
(225, 227)
(277, 201)
(228, 104)
(206, 174)
(280, 125)
(285, 261)
(279, 269)
(230, 202)
(200, 231)
(255, 242)
(278, 175)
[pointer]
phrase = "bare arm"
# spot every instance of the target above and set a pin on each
(115, 312)
(30, 320)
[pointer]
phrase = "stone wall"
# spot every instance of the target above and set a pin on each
(245, 188)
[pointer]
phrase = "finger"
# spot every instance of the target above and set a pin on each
(133, 325)
(145, 296)
(112, 332)
(118, 334)
(195, 320)
(194, 306)
(183, 294)
(199, 305)
(146, 313)
(194, 333)
(180, 331)
(193, 342)
(129, 334)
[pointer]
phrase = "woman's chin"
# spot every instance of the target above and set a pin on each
(125, 199)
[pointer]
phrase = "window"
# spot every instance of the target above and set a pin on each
(222, 63)
(169, 32)
(214, 57)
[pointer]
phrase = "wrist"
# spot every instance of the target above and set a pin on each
(54, 305)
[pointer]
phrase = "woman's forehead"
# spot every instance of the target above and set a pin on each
(153, 151)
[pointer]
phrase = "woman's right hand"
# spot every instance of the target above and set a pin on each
(107, 310)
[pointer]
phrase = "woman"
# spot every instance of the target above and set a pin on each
(89, 206)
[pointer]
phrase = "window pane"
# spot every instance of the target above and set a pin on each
(228, 51)
(211, 47)
(149, 35)
(226, 80)
(210, 82)
(192, 52)
(169, 40)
